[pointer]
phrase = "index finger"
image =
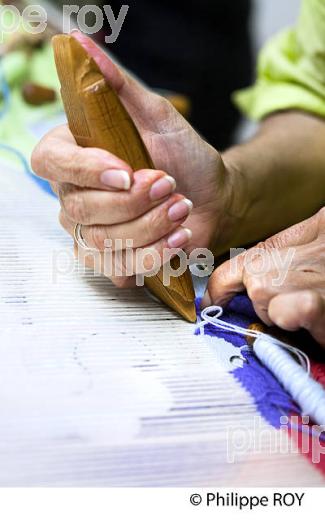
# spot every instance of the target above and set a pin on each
(58, 158)
(225, 282)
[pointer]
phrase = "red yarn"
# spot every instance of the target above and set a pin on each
(318, 372)
(315, 446)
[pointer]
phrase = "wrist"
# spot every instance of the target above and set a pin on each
(238, 202)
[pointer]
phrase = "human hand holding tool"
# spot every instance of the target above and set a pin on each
(231, 194)
(97, 118)
(114, 200)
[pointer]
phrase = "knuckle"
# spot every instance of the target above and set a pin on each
(98, 237)
(41, 157)
(83, 167)
(132, 209)
(275, 242)
(260, 256)
(311, 305)
(149, 226)
(76, 167)
(156, 221)
(48, 157)
(258, 264)
(263, 246)
(164, 105)
(223, 275)
(165, 109)
(321, 216)
(76, 207)
(280, 240)
(48, 161)
(256, 289)
(148, 262)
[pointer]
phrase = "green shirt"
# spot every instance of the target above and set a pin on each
(291, 68)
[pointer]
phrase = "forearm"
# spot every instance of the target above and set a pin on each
(278, 178)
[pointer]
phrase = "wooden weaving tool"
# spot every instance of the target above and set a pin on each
(97, 118)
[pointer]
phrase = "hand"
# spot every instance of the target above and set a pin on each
(284, 277)
(141, 209)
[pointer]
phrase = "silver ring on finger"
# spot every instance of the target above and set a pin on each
(79, 239)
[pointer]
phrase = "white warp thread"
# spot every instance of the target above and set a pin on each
(102, 387)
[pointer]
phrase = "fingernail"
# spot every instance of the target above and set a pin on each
(180, 210)
(116, 179)
(180, 237)
(206, 300)
(162, 188)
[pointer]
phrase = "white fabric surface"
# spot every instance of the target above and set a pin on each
(106, 387)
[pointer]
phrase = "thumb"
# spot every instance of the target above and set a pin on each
(137, 99)
(112, 72)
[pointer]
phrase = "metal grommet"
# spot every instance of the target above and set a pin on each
(238, 361)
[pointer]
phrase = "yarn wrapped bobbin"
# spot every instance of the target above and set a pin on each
(255, 327)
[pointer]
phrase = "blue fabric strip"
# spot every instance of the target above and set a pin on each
(5, 93)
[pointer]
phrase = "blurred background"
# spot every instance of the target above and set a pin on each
(268, 18)
(194, 53)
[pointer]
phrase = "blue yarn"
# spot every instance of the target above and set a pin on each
(44, 185)
(5, 91)
(268, 393)
(6, 96)
(271, 399)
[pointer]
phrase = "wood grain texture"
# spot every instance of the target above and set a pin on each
(97, 118)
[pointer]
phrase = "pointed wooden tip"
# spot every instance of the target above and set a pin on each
(179, 295)
(173, 299)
